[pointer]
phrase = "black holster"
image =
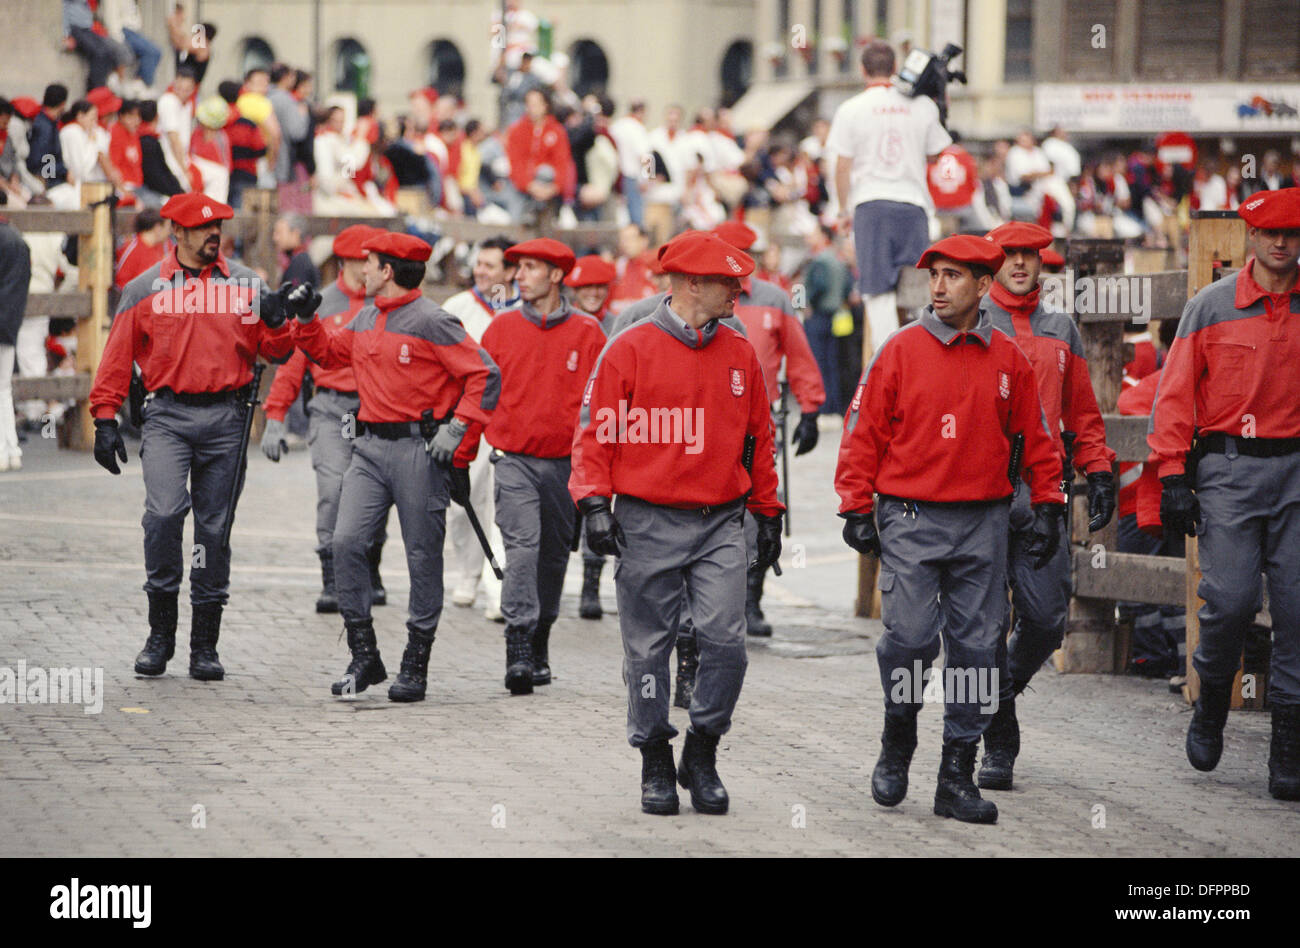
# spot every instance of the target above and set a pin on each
(135, 400)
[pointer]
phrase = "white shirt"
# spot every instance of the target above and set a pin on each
(888, 136)
(337, 161)
(1064, 157)
(1213, 193)
(633, 141)
(1023, 161)
(81, 153)
(679, 158)
(176, 116)
(466, 307)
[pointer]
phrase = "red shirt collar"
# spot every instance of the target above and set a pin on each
(360, 295)
(385, 303)
(1249, 292)
(170, 264)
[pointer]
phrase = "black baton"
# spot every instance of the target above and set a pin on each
(250, 402)
(1067, 483)
(482, 539)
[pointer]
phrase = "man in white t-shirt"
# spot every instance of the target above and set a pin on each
(632, 139)
(176, 123)
(882, 139)
(663, 197)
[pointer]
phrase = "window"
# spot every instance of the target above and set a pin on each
(1083, 57)
(256, 54)
(1274, 51)
(1019, 63)
(446, 68)
(352, 68)
(737, 71)
(1181, 39)
(588, 68)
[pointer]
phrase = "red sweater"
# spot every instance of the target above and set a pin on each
(337, 307)
(136, 256)
(1136, 479)
(528, 146)
(124, 154)
(775, 333)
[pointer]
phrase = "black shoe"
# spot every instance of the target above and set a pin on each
(589, 607)
(754, 621)
(541, 660)
(1284, 753)
(1205, 733)
(378, 595)
(328, 602)
(698, 773)
(366, 667)
(688, 663)
(956, 795)
(161, 644)
(658, 792)
(1001, 747)
(519, 660)
(897, 743)
(205, 628)
(412, 680)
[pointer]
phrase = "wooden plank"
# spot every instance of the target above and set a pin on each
(1167, 293)
(76, 305)
(34, 220)
(95, 270)
(53, 387)
(1130, 577)
(867, 603)
(1126, 435)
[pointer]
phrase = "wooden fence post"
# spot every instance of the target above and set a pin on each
(261, 204)
(95, 267)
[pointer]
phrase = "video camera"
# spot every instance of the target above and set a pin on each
(926, 73)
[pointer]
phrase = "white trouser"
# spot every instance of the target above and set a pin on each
(882, 317)
(31, 360)
(8, 432)
(466, 553)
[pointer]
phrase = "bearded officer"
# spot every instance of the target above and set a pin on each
(195, 323)
(682, 489)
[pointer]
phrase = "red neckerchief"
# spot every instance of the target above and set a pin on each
(1020, 306)
(385, 303)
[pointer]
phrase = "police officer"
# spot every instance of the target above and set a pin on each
(590, 281)
(664, 424)
(1041, 597)
(412, 361)
(1230, 382)
(332, 413)
(931, 429)
(545, 350)
(195, 323)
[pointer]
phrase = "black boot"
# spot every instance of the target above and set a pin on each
(541, 660)
(897, 743)
(1001, 747)
(366, 667)
(1205, 733)
(413, 678)
(698, 773)
(754, 620)
(589, 607)
(205, 628)
(378, 595)
(329, 600)
(519, 660)
(688, 663)
(956, 795)
(1284, 753)
(658, 792)
(161, 644)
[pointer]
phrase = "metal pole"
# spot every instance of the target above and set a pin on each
(320, 80)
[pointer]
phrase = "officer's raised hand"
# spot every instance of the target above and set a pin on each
(860, 533)
(604, 535)
(804, 438)
(1044, 534)
(274, 439)
(769, 541)
(1101, 499)
(302, 301)
(1180, 511)
(458, 485)
(108, 442)
(442, 446)
(271, 308)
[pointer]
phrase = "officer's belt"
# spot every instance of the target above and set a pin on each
(390, 430)
(335, 391)
(702, 511)
(951, 504)
(1216, 442)
(204, 398)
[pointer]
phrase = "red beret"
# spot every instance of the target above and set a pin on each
(650, 260)
(195, 210)
(591, 270)
(401, 246)
(104, 101)
(1273, 210)
(1021, 234)
(1051, 258)
(737, 234)
(542, 248)
(349, 244)
(965, 249)
(704, 254)
(26, 106)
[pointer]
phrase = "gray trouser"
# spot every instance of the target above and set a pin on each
(685, 626)
(1041, 598)
(1251, 510)
(666, 547)
(942, 572)
(535, 514)
(331, 453)
(385, 474)
(199, 444)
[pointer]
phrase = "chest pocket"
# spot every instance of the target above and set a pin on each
(1229, 366)
(164, 331)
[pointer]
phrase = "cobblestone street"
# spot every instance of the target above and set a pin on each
(279, 767)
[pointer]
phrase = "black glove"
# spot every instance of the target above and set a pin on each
(604, 535)
(1044, 534)
(1180, 511)
(108, 442)
(1101, 499)
(805, 434)
(458, 485)
(271, 308)
(302, 301)
(860, 533)
(769, 541)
